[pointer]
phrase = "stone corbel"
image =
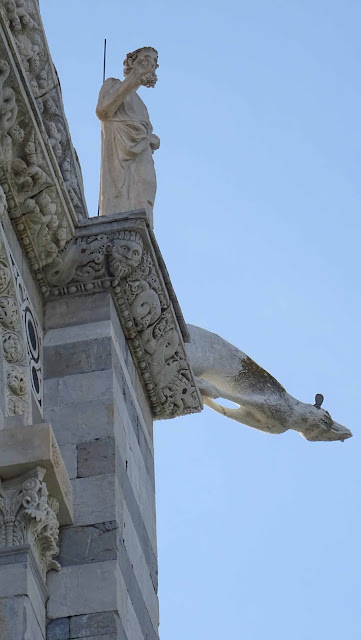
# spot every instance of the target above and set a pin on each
(35, 493)
(119, 254)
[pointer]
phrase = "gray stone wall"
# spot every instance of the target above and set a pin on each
(107, 587)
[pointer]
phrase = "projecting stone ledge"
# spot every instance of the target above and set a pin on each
(119, 254)
(29, 452)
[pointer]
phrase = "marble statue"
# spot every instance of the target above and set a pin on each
(128, 178)
(223, 371)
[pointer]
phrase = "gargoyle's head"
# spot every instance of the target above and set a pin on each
(321, 427)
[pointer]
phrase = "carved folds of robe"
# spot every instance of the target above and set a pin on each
(128, 178)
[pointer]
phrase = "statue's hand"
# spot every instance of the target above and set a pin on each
(144, 70)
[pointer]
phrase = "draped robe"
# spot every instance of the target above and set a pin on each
(127, 179)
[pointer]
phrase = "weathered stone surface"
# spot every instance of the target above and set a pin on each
(17, 620)
(145, 604)
(21, 577)
(69, 455)
(133, 432)
(141, 512)
(83, 545)
(94, 499)
(96, 457)
(77, 357)
(77, 310)
(58, 629)
(88, 588)
(94, 624)
(80, 421)
(146, 575)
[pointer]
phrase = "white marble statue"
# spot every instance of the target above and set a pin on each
(128, 178)
(223, 371)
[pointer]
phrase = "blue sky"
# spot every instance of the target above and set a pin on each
(258, 217)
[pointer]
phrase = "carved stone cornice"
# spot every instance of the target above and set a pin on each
(119, 254)
(37, 202)
(28, 515)
(22, 24)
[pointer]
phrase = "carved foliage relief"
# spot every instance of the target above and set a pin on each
(29, 516)
(122, 262)
(24, 22)
(33, 192)
(20, 338)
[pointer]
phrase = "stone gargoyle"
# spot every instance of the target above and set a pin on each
(223, 371)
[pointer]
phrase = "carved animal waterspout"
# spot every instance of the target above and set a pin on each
(223, 371)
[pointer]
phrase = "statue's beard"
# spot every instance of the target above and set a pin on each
(149, 79)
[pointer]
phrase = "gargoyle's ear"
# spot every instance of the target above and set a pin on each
(318, 400)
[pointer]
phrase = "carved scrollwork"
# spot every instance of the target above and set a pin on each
(12, 338)
(29, 516)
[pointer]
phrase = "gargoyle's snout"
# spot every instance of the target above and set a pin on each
(329, 433)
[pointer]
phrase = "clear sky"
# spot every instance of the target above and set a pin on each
(258, 217)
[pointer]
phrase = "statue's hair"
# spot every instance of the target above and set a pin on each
(131, 57)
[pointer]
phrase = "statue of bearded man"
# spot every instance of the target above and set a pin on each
(128, 178)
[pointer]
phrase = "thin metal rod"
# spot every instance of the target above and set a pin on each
(104, 61)
(105, 57)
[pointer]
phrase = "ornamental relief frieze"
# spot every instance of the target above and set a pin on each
(23, 21)
(21, 339)
(121, 260)
(33, 196)
(15, 366)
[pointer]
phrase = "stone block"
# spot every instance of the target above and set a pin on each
(88, 588)
(58, 629)
(94, 624)
(77, 357)
(142, 511)
(129, 459)
(17, 620)
(77, 310)
(25, 447)
(82, 387)
(146, 574)
(78, 333)
(80, 421)
(96, 457)
(94, 499)
(69, 454)
(82, 545)
(19, 576)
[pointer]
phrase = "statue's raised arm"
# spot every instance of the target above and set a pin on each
(223, 371)
(128, 178)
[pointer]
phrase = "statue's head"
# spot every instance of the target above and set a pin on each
(143, 60)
